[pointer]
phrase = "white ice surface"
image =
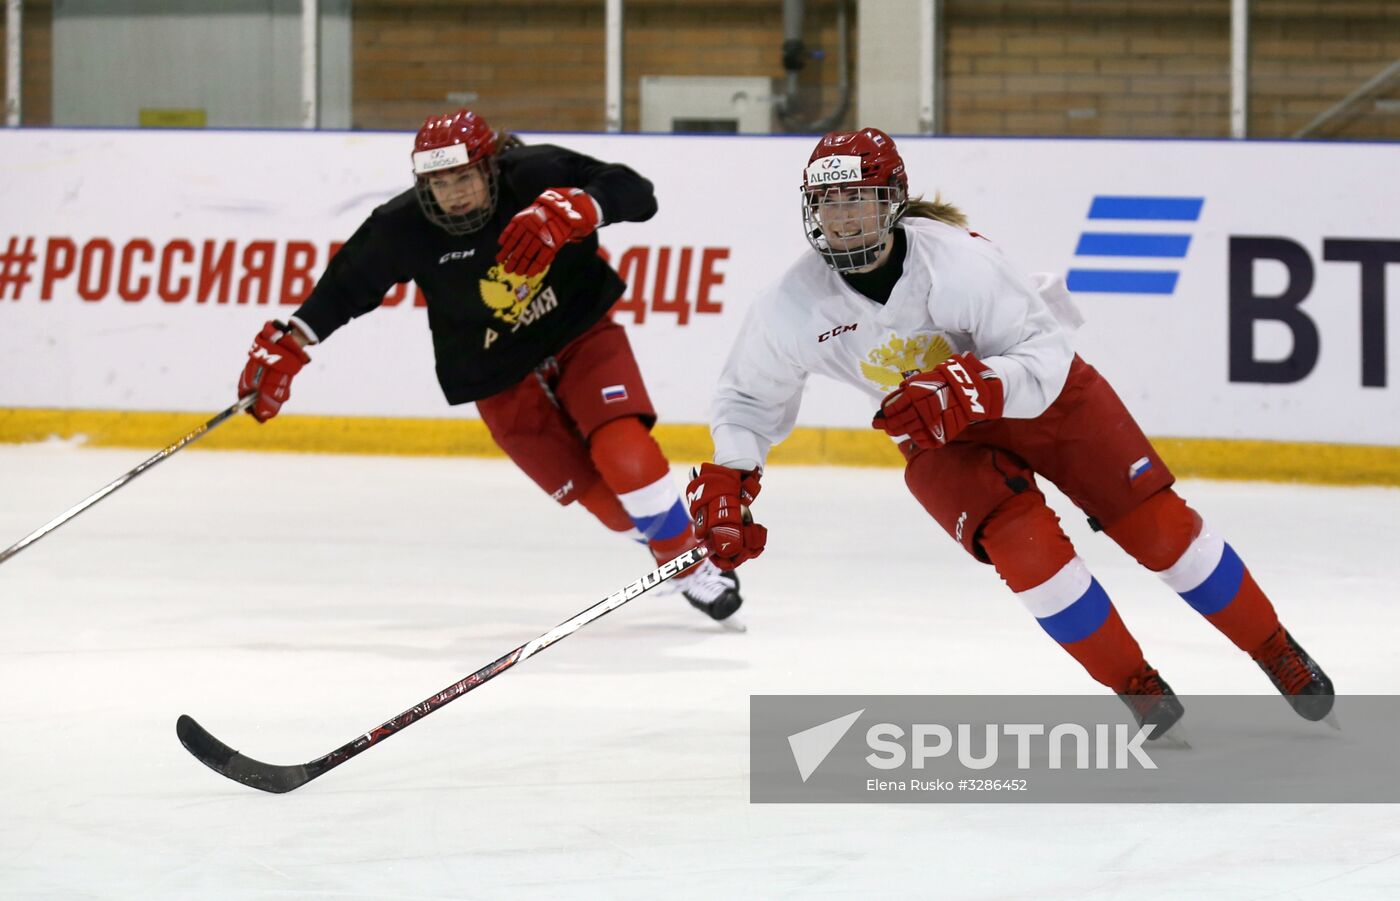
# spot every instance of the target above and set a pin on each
(292, 602)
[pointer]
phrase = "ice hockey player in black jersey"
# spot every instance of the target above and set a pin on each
(501, 239)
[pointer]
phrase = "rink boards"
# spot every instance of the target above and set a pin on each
(1234, 293)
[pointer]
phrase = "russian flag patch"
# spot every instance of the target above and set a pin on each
(1138, 468)
(614, 393)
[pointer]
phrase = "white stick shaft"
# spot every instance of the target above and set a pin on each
(613, 601)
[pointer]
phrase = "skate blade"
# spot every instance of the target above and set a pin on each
(730, 624)
(1173, 739)
(1331, 719)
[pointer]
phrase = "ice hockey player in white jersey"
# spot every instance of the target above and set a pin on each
(969, 367)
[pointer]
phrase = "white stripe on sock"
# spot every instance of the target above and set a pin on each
(653, 500)
(1059, 591)
(1197, 562)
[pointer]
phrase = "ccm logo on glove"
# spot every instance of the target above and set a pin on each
(533, 236)
(273, 360)
(934, 407)
(719, 499)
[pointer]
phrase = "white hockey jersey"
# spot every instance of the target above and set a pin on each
(957, 293)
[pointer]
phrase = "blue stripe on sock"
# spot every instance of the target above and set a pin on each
(663, 525)
(1080, 619)
(1220, 587)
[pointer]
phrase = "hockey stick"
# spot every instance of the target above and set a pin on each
(73, 511)
(269, 777)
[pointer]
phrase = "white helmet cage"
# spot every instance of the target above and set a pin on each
(859, 216)
(459, 223)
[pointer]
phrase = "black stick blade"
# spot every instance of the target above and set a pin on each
(227, 762)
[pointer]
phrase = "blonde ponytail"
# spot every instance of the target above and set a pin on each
(935, 209)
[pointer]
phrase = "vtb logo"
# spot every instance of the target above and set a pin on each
(1143, 234)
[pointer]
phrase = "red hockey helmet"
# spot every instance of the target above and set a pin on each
(454, 141)
(854, 189)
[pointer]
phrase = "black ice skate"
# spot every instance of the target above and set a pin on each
(1153, 703)
(1297, 676)
(711, 590)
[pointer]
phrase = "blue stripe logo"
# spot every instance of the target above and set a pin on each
(1105, 240)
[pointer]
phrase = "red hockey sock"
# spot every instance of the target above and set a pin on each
(602, 503)
(1035, 558)
(626, 455)
(1157, 531)
(664, 549)
(1023, 539)
(1249, 619)
(1169, 538)
(633, 466)
(1111, 655)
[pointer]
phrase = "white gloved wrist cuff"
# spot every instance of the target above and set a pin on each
(305, 330)
(599, 207)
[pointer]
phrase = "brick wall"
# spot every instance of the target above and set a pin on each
(672, 37)
(1036, 67)
(1147, 67)
(1309, 54)
(1162, 67)
(539, 66)
(531, 65)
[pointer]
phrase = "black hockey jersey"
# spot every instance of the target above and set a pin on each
(490, 328)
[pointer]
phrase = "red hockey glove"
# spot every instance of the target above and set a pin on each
(272, 361)
(719, 504)
(934, 407)
(535, 234)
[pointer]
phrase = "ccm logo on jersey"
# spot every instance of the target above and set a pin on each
(839, 330)
(457, 255)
